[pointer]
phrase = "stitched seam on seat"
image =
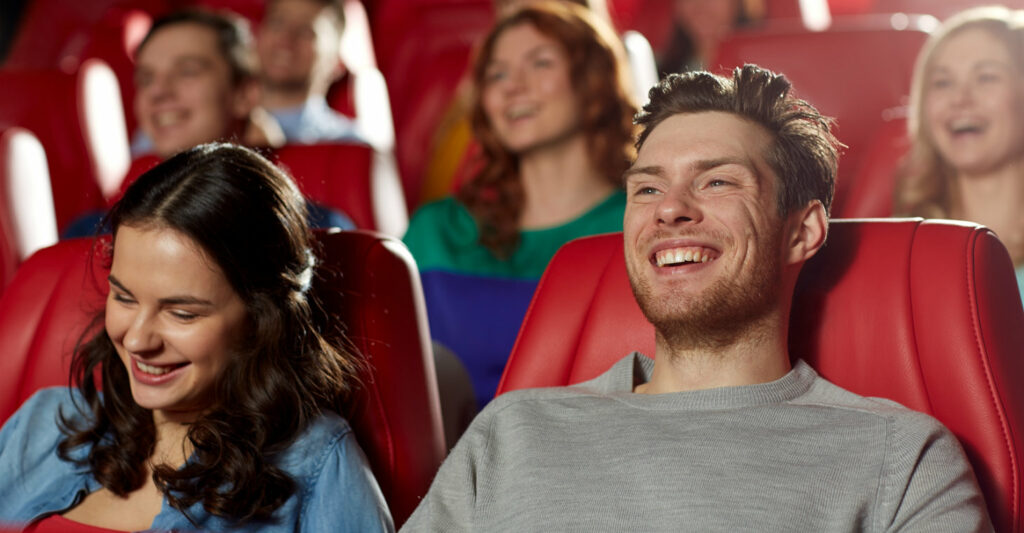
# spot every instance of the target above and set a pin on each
(993, 397)
(913, 322)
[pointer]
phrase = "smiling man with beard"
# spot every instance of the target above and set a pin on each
(727, 199)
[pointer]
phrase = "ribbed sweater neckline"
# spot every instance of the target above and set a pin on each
(636, 368)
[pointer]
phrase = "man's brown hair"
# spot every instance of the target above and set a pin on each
(803, 153)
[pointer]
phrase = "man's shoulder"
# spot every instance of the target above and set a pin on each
(596, 390)
(824, 393)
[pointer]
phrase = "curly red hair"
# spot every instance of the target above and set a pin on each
(600, 79)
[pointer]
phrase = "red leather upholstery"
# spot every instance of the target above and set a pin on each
(942, 10)
(926, 313)
(27, 221)
(9, 257)
(870, 191)
(350, 177)
(857, 72)
(53, 106)
(424, 47)
(368, 282)
(334, 175)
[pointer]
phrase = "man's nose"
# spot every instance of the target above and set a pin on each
(679, 206)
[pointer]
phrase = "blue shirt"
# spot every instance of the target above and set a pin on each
(335, 490)
(475, 300)
(313, 122)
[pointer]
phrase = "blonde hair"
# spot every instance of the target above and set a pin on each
(925, 185)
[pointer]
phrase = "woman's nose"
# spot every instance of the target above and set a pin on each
(142, 336)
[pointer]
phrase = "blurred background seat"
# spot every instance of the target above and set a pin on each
(79, 120)
(353, 178)
(857, 71)
(27, 220)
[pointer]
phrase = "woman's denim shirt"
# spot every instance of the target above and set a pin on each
(335, 489)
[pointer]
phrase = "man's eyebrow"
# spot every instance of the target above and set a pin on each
(650, 170)
(708, 164)
(172, 300)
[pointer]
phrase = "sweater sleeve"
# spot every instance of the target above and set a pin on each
(345, 495)
(928, 484)
(451, 502)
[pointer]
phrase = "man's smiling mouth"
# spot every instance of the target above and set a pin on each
(684, 255)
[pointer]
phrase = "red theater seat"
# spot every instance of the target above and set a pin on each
(424, 48)
(926, 313)
(27, 222)
(80, 122)
(353, 178)
(870, 191)
(858, 72)
(369, 283)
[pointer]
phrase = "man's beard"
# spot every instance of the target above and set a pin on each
(726, 311)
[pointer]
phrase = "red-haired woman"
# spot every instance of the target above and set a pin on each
(553, 115)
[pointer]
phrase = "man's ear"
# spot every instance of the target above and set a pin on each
(806, 230)
(245, 98)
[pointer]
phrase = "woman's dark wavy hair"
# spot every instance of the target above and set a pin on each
(249, 218)
(601, 80)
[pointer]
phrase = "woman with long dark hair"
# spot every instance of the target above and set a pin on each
(553, 115)
(220, 397)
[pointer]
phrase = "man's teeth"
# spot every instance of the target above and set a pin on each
(155, 370)
(678, 256)
(167, 118)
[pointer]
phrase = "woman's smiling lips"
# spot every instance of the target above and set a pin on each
(150, 374)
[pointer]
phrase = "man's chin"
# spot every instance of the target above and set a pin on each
(712, 323)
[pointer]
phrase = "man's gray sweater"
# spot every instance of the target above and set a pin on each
(796, 454)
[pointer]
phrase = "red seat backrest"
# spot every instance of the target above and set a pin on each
(349, 177)
(858, 71)
(27, 220)
(352, 178)
(926, 313)
(333, 175)
(368, 283)
(424, 48)
(871, 189)
(77, 123)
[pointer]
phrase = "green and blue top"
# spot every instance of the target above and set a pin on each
(475, 300)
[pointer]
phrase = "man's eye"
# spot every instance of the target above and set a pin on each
(717, 182)
(646, 190)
